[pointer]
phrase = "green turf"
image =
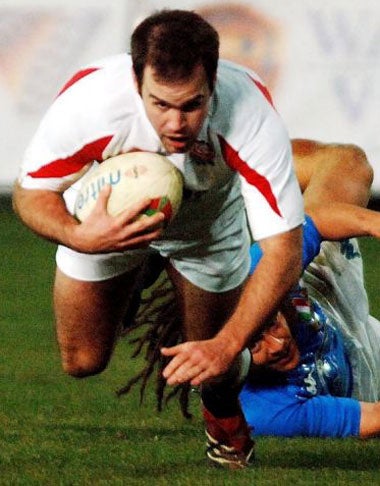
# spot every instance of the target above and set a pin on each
(57, 430)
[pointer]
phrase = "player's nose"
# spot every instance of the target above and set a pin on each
(176, 120)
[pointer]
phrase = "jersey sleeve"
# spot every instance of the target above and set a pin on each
(69, 138)
(278, 411)
(255, 143)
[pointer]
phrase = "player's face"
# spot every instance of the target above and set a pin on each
(176, 110)
(276, 349)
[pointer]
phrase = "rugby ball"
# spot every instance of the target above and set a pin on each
(133, 176)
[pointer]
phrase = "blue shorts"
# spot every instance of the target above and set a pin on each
(278, 411)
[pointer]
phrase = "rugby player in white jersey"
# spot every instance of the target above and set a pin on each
(216, 123)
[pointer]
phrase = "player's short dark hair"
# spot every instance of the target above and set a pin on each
(173, 43)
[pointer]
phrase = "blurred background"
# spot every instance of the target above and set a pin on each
(321, 61)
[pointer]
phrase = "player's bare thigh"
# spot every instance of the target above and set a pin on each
(88, 320)
(203, 312)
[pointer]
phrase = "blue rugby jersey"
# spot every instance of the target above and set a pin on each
(313, 399)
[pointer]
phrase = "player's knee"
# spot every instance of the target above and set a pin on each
(83, 364)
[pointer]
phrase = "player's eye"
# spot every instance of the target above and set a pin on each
(161, 105)
(192, 106)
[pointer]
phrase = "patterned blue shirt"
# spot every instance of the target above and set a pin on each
(324, 367)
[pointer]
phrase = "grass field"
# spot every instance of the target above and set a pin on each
(57, 430)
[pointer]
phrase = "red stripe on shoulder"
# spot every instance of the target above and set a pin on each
(262, 184)
(79, 75)
(263, 89)
(74, 163)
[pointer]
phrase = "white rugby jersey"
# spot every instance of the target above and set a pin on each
(99, 114)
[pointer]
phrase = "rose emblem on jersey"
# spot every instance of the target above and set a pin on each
(202, 152)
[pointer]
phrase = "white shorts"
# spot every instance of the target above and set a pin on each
(208, 243)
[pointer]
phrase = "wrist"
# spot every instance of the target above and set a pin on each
(230, 341)
(72, 237)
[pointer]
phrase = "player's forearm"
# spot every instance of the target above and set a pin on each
(45, 213)
(369, 420)
(278, 270)
(337, 221)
